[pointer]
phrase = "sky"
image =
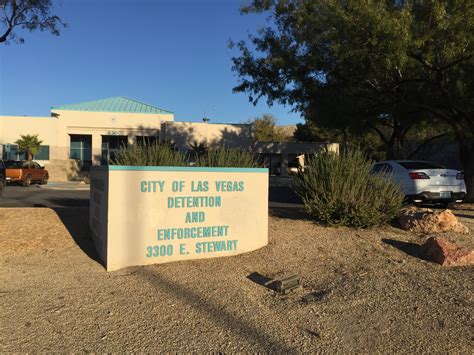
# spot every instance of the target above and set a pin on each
(170, 54)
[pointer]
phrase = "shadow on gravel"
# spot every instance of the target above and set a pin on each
(262, 280)
(411, 249)
(76, 221)
(294, 213)
(218, 315)
(283, 194)
(69, 202)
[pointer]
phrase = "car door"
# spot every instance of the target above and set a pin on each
(26, 170)
(38, 171)
(3, 177)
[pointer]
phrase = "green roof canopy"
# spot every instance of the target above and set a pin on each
(113, 104)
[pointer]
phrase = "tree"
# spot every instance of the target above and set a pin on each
(27, 14)
(29, 144)
(266, 130)
(366, 65)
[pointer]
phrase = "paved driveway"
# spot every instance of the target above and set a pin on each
(73, 194)
(35, 196)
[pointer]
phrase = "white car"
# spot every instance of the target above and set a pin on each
(422, 181)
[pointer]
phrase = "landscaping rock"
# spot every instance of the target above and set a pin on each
(441, 251)
(428, 221)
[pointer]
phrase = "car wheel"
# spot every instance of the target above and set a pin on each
(27, 181)
(45, 180)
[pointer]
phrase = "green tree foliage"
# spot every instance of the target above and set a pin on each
(368, 200)
(29, 144)
(311, 132)
(266, 130)
(383, 65)
(29, 15)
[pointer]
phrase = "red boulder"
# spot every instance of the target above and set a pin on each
(443, 252)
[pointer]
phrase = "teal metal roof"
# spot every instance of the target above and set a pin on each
(113, 104)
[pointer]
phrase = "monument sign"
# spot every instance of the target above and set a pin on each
(150, 214)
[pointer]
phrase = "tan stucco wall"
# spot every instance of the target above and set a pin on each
(211, 134)
(11, 127)
(127, 214)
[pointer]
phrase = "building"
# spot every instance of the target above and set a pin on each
(77, 136)
(279, 157)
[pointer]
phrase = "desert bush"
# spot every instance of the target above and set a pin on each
(227, 157)
(341, 190)
(159, 154)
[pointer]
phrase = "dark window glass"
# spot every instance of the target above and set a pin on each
(111, 145)
(13, 164)
(43, 154)
(419, 165)
(377, 168)
(382, 168)
(81, 147)
(13, 154)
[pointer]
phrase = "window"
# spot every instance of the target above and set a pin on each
(81, 147)
(409, 165)
(382, 168)
(13, 164)
(43, 154)
(111, 145)
(14, 154)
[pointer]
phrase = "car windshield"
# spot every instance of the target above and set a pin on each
(13, 164)
(419, 165)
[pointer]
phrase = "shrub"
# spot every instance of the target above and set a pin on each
(225, 157)
(340, 190)
(159, 154)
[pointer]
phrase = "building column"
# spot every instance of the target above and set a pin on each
(132, 139)
(96, 148)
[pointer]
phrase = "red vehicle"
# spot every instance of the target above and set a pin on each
(25, 172)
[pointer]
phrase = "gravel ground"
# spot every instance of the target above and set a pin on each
(364, 291)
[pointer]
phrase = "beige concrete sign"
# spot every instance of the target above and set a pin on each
(143, 215)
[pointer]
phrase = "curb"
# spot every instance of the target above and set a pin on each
(69, 188)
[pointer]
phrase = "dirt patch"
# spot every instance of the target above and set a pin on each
(363, 290)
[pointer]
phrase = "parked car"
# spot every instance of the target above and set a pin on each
(3, 177)
(25, 172)
(423, 181)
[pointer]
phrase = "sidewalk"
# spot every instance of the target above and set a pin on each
(65, 185)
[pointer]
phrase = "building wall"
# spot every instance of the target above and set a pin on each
(212, 135)
(11, 127)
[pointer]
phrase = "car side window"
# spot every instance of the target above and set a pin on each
(377, 168)
(36, 166)
(25, 165)
(386, 168)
